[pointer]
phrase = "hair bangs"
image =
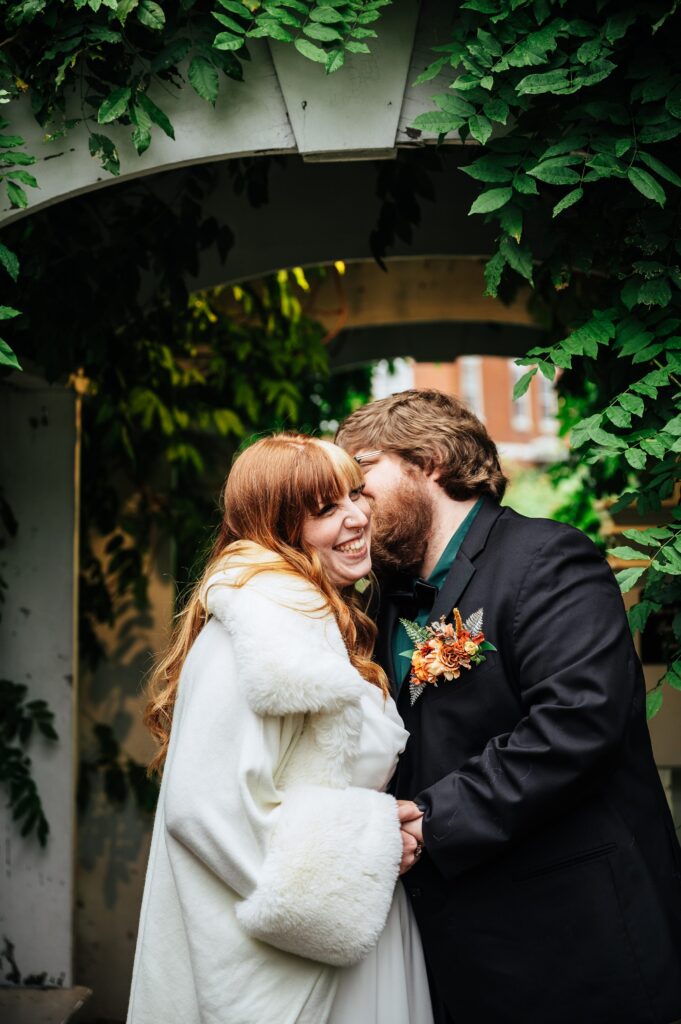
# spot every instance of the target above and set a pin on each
(325, 474)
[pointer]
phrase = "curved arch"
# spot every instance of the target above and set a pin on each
(284, 105)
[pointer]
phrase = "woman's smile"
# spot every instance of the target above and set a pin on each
(340, 533)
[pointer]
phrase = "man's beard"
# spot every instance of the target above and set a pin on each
(400, 530)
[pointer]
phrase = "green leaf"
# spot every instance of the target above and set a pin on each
(568, 200)
(238, 8)
(437, 121)
(632, 403)
(124, 8)
(656, 165)
(353, 47)
(523, 383)
(228, 41)
(557, 171)
(636, 458)
(229, 23)
(497, 110)
(618, 416)
(310, 51)
(491, 200)
(488, 169)
(626, 552)
(204, 79)
(9, 261)
(525, 185)
(104, 148)
(13, 157)
(549, 81)
(655, 292)
(654, 700)
(673, 676)
(511, 220)
(23, 176)
(453, 104)
(628, 578)
(326, 15)
(151, 15)
(432, 71)
(493, 270)
(335, 60)
(17, 196)
(518, 257)
(326, 34)
(156, 114)
(115, 105)
(480, 128)
(7, 356)
(639, 614)
(654, 446)
(646, 185)
(141, 136)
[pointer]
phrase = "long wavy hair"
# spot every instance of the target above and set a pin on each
(271, 488)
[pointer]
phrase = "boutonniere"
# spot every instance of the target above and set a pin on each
(443, 649)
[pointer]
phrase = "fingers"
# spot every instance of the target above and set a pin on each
(409, 848)
(415, 829)
(408, 811)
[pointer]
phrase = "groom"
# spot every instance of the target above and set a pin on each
(549, 887)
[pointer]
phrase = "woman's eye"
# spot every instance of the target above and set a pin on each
(357, 492)
(326, 509)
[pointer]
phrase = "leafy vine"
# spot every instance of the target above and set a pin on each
(575, 108)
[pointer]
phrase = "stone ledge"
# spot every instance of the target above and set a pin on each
(41, 1005)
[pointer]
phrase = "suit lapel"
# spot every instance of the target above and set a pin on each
(463, 566)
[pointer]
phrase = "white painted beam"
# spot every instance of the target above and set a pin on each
(38, 467)
(353, 113)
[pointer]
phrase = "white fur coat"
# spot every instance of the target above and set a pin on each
(266, 866)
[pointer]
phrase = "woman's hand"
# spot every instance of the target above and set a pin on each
(412, 837)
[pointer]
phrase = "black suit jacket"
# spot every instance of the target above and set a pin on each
(549, 890)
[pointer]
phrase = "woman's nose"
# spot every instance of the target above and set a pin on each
(356, 516)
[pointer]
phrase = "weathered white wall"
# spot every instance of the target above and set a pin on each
(38, 469)
(113, 842)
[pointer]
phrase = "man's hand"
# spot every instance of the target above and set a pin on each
(411, 818)
(409, 848)
(412, 836)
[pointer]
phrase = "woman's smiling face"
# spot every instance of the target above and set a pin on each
(340, 533)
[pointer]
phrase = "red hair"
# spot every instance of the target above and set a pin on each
(272, 486)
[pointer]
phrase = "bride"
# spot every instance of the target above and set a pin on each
(270, 893)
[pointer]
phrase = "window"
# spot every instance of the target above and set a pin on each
(548, 405)
(470, 383)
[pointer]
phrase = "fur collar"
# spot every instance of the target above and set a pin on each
(289, 651)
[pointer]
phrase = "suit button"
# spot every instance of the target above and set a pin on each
(415, 893)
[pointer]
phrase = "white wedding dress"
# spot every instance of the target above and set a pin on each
(390, 985)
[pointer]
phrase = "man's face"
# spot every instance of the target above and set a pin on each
(402, 510)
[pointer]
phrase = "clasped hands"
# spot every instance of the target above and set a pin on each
(411, 832)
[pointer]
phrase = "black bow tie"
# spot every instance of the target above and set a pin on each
(412, 594)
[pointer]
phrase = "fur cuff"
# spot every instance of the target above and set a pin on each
(329, 876)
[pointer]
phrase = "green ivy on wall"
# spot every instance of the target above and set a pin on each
(576, 112)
